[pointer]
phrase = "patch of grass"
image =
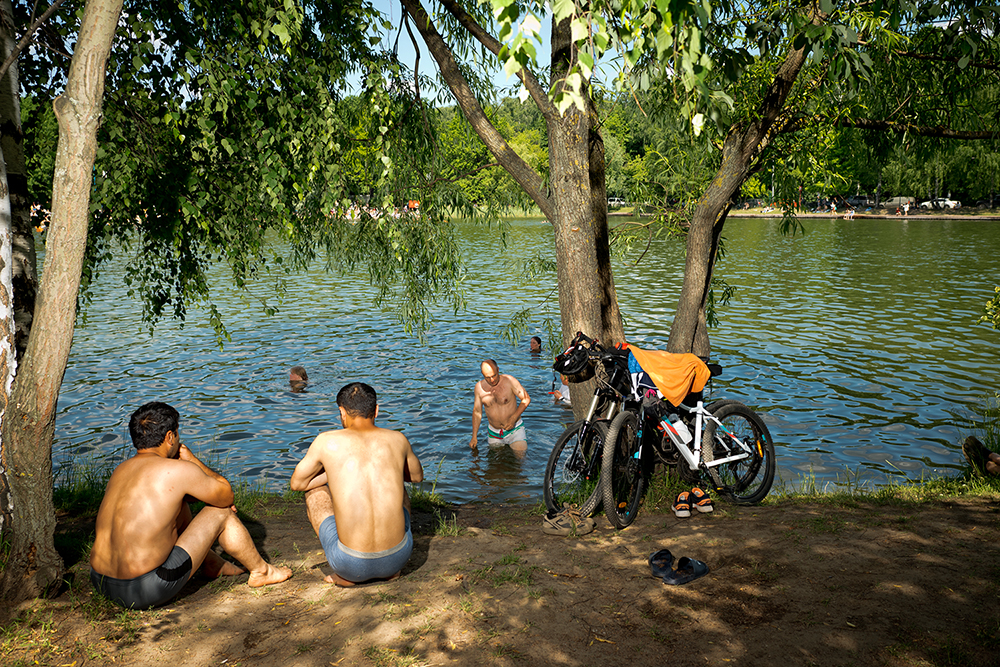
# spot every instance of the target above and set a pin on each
(29, 637)
(663, 487)
(427, 500)
(445, 526)
(79, 485)
(507, 570)
(504, 650)
(381, 656)
(467, 603)
(127, 625)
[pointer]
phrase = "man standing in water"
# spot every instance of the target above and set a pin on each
(355, 498)
(147, 544)
(498, 394)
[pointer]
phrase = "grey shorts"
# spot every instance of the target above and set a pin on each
(500, 437)
(359, 566)
(152, 589)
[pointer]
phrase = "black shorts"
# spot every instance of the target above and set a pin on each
(148, 590)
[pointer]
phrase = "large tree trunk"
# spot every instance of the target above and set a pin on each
(743, 146)
(575, 203)
(34, 565)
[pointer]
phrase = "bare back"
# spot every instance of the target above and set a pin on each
(365, 473)
(137, 523)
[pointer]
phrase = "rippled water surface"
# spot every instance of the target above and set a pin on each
(856, 341)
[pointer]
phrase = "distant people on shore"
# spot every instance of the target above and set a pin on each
(356, 499)
(147, 543)
(980, 458)
(298, 378)
(498, 394)
(535, 345)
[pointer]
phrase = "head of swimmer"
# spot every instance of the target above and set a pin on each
(298, 378)
(490, 371)
(535, 345)
(357, 400)
(154, 423)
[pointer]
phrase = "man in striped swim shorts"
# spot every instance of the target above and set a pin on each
(498, 394)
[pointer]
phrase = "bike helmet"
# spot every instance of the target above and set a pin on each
(575, 364)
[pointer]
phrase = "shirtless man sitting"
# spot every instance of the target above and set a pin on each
(147, 544)
(355, 497)
(498, 394)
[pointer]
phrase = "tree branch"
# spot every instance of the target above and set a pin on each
(939, 131)
(535, 89)
(28, 37)
(519, 170)
(985, 64)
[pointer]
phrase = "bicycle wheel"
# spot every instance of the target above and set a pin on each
(622, 480)
(747, 481)
(572, 474)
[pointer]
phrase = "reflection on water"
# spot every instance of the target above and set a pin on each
(855, 341)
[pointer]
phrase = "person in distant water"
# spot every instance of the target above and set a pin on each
(535, 345)
(355, 497)
(298, 379)
(980, 458)
(147, 544)
(498, 395)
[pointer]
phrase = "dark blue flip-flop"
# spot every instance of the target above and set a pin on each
(661, 563)
(688, 569)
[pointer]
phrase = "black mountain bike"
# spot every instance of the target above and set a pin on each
(731, 449)
(572, 474)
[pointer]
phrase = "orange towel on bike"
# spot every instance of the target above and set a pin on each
(675, 375)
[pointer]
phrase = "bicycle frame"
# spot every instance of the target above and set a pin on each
(693, 456)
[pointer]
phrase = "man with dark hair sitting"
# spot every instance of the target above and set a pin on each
(355, 497)
(147, 543)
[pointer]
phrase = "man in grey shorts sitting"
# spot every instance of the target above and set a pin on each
(147, 544)
(355, 497)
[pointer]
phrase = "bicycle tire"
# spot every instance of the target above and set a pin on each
(567, 479)
(748, 481)
(622, 479)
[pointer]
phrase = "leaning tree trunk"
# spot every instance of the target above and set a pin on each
(34, 565)
(689, 332)
(741, 149)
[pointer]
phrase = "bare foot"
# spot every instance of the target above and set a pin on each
(229, 569)
(344, 583)
(214, 566)
(272, 575)
(334, 579)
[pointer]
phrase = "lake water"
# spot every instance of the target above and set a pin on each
(856, 341)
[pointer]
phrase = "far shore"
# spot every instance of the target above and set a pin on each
(878, 214)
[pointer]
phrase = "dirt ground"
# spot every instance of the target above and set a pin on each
(790, 584)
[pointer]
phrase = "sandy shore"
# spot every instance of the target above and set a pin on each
(790, 584)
